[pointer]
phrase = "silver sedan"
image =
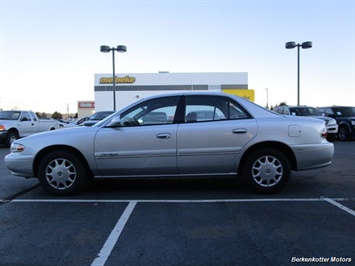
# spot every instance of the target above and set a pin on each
(176, 135)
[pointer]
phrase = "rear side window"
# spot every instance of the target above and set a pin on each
(212, 108)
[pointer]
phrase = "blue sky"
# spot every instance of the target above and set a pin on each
(50, 50)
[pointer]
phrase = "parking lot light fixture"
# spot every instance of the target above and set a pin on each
(107, 49)
(304, 45)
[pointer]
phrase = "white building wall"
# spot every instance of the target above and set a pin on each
(148, 84)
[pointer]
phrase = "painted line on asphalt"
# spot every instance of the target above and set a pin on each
(175, 201)
(115, 234)
(337, 204)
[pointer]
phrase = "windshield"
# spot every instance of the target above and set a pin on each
(344, 111)
(9, 115)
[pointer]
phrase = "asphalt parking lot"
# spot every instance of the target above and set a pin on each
(183, 222)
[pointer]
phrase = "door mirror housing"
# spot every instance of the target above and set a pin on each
(115, 122)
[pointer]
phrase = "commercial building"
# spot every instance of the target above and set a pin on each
(131, 87)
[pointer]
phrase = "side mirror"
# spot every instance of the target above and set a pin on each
(115, 122)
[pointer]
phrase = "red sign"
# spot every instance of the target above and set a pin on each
(86, 105)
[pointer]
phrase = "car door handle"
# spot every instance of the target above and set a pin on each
(164, 136)
(239, 131)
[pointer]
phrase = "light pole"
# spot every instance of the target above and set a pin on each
(304, 45)
(107, 49)
(267, 98)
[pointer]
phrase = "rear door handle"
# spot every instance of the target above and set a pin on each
(239, 131)
(164, 136)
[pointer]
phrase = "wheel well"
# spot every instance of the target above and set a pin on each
(286, 150)
(13, 130)
(47, 150)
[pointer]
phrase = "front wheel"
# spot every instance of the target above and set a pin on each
(343, 134)
(267, 171)
(11, 137)
(62, 173)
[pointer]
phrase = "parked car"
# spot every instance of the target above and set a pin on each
(330, 123)
(15, 124)
(241, 138)
(345, 117)
(96, 117)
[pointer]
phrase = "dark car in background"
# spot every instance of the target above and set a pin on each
(303, 110)
(98, 116)
(345, 117)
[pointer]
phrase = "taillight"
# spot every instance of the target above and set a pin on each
(324, 133)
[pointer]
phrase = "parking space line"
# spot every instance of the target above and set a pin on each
(337, 204)
(175, 201)
(115, 234)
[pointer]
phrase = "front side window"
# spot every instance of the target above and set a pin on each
(212, 108)
(25, 116)
(154, 112)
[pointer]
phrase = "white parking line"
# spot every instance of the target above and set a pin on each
(115, 234)
(340, 206)
(175, 201)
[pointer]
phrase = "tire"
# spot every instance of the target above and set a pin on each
(61, 173)
(344, 133)
(267, 171)
(11, 137)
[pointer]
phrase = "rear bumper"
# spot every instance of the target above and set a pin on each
(314, 156)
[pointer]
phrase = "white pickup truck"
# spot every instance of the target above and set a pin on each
(18, 124)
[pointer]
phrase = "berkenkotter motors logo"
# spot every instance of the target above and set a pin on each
(321, 260)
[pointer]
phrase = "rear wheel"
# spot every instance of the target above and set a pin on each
(62, 173)
(267, 171)
(344, 133)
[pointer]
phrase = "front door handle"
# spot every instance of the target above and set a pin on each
(164, 136)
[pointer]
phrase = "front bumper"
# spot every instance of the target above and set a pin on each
(333, 129)
(3, 136)
(20, 165)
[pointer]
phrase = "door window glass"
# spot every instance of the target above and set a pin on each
(154, 112)
(25, 116)
(212, 108)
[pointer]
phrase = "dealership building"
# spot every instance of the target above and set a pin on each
(130, 87)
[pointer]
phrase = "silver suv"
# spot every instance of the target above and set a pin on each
(331, 124)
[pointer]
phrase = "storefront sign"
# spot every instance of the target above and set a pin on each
(86, 105)
(126, 79)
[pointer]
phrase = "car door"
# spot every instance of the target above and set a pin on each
(145, 143)
(26, 126)
(214, 132)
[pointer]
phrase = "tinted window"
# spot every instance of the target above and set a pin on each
(344, 111)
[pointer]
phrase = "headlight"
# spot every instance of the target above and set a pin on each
(16, 147)
(332, 121)
(353, 122)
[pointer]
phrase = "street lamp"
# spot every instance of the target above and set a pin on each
(304, 45)
(267, 98)
(107, 49)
